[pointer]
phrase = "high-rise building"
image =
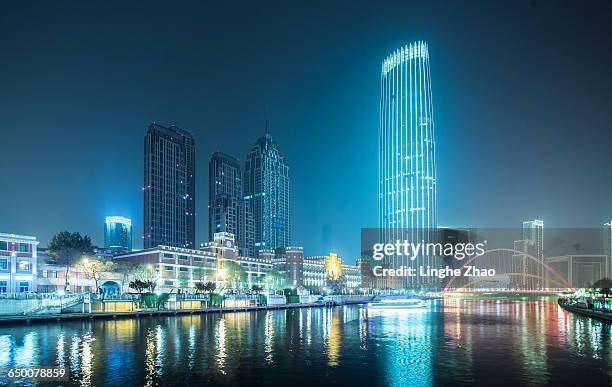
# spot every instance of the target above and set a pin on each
(227, 210)
(267, 193)
(118, 233)
(407, 158)
(607, 239)
(169, 187)
(531, 272)
(533, 231)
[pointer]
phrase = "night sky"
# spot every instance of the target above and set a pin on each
(521, 90)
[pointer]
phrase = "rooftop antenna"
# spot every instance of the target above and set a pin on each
(267, 131)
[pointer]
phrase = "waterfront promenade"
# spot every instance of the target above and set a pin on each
(597, 314)
(177, 309)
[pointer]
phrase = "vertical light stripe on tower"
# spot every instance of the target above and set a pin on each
(407, 169)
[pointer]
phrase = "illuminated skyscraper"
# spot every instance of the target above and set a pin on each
(169, 187)
(118, 233)
(227, 210)
(532, 244)
(267, 193)
(407, 156)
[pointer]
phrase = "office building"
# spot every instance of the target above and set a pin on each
(227, 209)
(267, 193)
(169, 187)
(407, 160)
(117, 234)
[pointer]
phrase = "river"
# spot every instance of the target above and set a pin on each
(453, 342)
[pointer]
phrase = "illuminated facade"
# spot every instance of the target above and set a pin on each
(18, 263)
(329, 270)
(407, 155)
(333, 267)
(183, 268)
(267, 193)
(169, 187)
(118, 233)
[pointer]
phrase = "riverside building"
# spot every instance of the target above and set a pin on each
(18, 263)
(407, 184)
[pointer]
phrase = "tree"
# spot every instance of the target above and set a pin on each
(144, 272)
(209, 287)
(183, 280)
(256, 289)
(234, 273)
(275, 279)
(150, 285)
(66, 248)
(604, 285)
(124, 269)
(138, 285)
(94, 267)
(200, 287)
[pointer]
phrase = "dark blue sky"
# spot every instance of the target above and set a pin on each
(522, 102)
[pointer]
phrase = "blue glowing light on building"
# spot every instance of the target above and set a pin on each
(118, 233)
(407, 152)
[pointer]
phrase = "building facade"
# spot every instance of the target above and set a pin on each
(180, 268)
(227, 209)
(328, 272)
(18, 263)
(407, 185)
(267, 192)
(169, 187)
(117, 234)
(289, 262)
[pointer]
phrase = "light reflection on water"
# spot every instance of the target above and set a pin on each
(457, 342)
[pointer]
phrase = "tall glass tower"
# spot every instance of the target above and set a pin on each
(407, 157)
(227, 210)
(169, 187)
(267, 194)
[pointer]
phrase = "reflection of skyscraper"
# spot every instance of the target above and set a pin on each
(267, 192)
(227, 211)
(118, 233)
(169, 187)
(406, 160)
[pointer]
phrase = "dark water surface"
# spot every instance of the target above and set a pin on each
(454, 342)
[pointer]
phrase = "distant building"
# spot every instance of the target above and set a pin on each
(118, 233)
(533, 232)
(578, 270)
(607, 239)
(227, 209)
(18, 263)
(365, 270)
(169, 187)
(267, 192)
(529, 272)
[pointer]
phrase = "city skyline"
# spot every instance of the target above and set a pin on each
(504, 122)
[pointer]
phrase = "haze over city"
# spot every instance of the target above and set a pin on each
(521, 96)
